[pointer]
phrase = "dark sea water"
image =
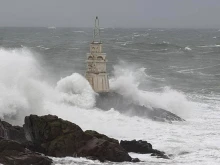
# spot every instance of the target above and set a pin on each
(175, 69)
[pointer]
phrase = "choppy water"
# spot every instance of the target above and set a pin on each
(41, 72)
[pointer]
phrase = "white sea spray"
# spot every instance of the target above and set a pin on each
(24, 92)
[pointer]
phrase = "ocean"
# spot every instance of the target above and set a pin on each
(42, 72)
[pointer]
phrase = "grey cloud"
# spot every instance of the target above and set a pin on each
(112, 13)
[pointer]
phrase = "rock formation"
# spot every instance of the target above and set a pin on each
(101, 136)
(8, 131)
(106, 101)
(55, 137)
(60, 138)
(142, 147)
(14, 153)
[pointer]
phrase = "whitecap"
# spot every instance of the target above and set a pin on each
(208, 46)
(190, 70)
(145, 34)
(166, 42)
(124, 44)
(188, 48)
(42, 47)
(136, 35)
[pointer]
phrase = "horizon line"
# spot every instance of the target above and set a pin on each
(109, 27)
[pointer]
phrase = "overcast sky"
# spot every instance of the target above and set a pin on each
(112, 13)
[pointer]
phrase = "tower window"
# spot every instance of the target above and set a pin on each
(99, 58)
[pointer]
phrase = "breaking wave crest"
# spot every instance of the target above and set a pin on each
(126, 80)
(75, 89)
(24, 92)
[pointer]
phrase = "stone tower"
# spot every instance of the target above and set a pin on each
(96, 63)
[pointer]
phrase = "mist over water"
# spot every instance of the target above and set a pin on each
(41, 72)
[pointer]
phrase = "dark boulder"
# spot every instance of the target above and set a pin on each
(104, 150)
(101, 136)
(10, 132)
(142, 147)
(135, 160)
(106, 101)
(160, 154)
(56, 137)
(14, 153)
(59, 138)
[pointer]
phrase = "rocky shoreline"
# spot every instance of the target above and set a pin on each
(43, 136)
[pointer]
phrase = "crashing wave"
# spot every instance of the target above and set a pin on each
(75, 89)
(23, 92)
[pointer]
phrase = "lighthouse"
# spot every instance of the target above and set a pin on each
(96, 63)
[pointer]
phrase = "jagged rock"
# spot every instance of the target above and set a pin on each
(10, 132)
(160, 154)
(106, 101)
(34, 147)
(57, 137)
(14, 153)
(60, 138)
(142, 147)
(101, 136)
(135, 160)
(104, 150)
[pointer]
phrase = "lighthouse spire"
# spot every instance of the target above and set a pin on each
(96, 32)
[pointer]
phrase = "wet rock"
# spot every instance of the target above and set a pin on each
(142, 147)
(160, 154)
(135, 160)
(104, 150)
(59, 138)
(106, 101)
(34, 147)
(101, 136)
(14, 153)
(10, 132)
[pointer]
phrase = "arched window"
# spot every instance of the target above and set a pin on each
(90, 58)
(99, 58)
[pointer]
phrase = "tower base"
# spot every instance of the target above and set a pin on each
(99, 82)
